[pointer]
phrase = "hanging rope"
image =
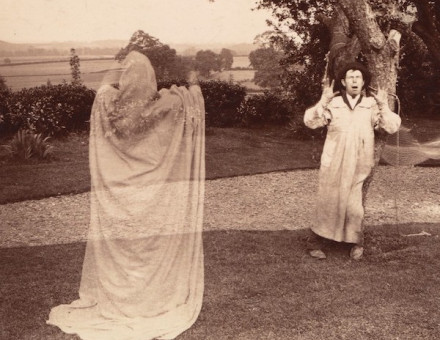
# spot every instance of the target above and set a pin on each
(396, 162)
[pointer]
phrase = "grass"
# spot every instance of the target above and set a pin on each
(229, 152)
(68, 172)
(259, 285)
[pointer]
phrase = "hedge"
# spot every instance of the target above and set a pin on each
(53, 110)
(56, 110)
(222, 101)
(266, 108)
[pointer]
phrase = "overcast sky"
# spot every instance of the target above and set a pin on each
(171, 21)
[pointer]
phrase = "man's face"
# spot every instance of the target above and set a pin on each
(353, 82)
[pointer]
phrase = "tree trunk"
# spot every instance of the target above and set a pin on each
(343, 47)
(362, 34)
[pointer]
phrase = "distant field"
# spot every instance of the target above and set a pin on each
(234, 75)
(39, 70)
(241, 61)
(64, 57)
(242, 77)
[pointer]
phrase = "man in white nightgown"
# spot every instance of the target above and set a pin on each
(348, 156)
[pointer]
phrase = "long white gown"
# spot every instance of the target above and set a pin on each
(142, 275)
(346, 161)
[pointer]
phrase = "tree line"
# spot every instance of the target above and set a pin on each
(169, 65)
(165, 60)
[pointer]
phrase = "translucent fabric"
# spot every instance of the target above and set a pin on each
(404, 149)
(142, 275)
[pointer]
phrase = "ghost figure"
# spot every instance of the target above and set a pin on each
(142, 276)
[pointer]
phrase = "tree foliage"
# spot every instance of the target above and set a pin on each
(75, 67)
(165, 61)
(268, 70)
(300, 30)
(3, 85)
(207, 61)
(226, 59)
(427, 26)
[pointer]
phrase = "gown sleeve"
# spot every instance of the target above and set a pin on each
(386, 120)
(317, 116)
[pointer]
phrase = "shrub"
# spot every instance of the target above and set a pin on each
(26, 144)
(168, 83)
(75, 67)
(52, 110)
(80, 98)
(265, 108)
(4, 99)
(222, 101)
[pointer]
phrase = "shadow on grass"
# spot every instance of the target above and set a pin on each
(261, 285)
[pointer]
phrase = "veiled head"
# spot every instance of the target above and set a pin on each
(138, 80)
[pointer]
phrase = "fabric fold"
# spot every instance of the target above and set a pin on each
(142, 275)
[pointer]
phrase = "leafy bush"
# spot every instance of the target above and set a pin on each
(166, 84)
(52, 110)
(418, 79)
(26, 144)
(222, 101)
(265, 108)
(4, 96)
(56, 110)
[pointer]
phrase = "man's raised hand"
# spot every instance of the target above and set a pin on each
(381, 98)
(328, 92)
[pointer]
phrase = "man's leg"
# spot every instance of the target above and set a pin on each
(314, 245)
(354, 221)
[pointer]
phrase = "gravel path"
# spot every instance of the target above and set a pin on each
(273, 201)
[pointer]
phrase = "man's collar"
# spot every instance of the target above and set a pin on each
(353, 99)
(350, 101)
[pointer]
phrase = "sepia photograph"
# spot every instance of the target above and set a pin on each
(220, 170)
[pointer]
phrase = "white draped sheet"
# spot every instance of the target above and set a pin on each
(142, 275)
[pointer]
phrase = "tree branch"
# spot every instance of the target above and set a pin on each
(394, 41)
(344, 47)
